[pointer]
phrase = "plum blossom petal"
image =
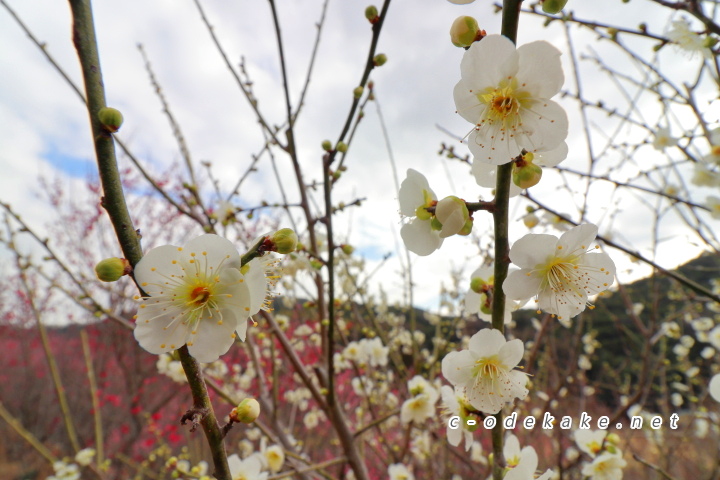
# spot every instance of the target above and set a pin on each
(419, 235)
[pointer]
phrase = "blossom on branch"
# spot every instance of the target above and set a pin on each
(485, 372)
(560, 273)
(419, 235)
(505, 92)
(197, 296)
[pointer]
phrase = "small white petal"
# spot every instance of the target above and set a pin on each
(714, 387)
(419, 237)
(457, 367)
(487, 342)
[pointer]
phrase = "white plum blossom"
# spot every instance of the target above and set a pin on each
(522, 463)
(480, 303)
(485, 372)
(713, 204)
(197, 296)
(421, 405)
(455, 405)
(686, 39)
(65, 471)
(415, 196)
(486, 174)
(704, 176)
(275, 457)
(713, 338)
(590, 441)
(663, 139)
(714, 387)
(375, 351)
(561, 273)
(607, 466)
(85, 456)
(398, 471)
(505, 92)
(248, 469)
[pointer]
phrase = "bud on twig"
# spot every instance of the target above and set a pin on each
(553, 6)
(111, 269)
(371, 13)
(110, 118)
(246, 412)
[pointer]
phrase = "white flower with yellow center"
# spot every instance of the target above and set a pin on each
(421, 405)
(663, 139)
(486, 370)
(197, 296)
(398, 471)
(455, 404)
(607, 466)
(590, 441)
(521, 463)
(248, 469)
(505, 92)
(561, 273)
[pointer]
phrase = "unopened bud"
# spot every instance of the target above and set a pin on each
(285, 240)
(467, 228)
(110, 118)
(371, 13)
(111, 269)
(478, 285)
(341, 147)
(379, 59)
(347, 249)
(553, 6)
(247, 412)
(709, 42)
(326, 145)
(530, 220)
(464, 31)
(526, 174)
(613, 438)
(357, 93)
(452, 213)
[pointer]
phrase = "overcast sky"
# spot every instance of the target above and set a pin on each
(44, 129)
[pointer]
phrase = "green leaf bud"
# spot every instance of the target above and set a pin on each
(380, 59)
(464, 31)
(357, 93)
(326, 145)
(347, 249)
(553, 6)
(110, 118)
(111, 269)
(341, 147)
